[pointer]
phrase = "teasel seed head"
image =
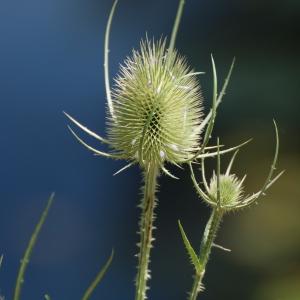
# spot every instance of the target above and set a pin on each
(231, 190)
(157, 107)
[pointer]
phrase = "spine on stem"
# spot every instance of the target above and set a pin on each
(146, 228)
(205, 249)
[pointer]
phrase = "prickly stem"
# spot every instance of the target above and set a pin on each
(146, 228)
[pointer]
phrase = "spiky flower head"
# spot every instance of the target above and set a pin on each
(231, 190)
(157, 107)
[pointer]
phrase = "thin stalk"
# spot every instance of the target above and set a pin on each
(88, 293)
(205, 249)
(146, 227)
(29, 249)
(176, 25)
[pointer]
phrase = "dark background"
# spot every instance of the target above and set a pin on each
(51, 60)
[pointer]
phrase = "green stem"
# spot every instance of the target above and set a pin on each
(176, 25)
(205, 249)
(29, 249)
(146, 227)
(88, 293)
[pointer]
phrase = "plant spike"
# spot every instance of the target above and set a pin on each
(27, 255)
(222, 93)
(88, 293)
(124, 168)
(106, 61)
(101, 153)
(212, 147)
(203, 175)
(242, 181)
(86, 130)
(211, 123)
(273, 165)
(221, 247)
(197, 187)
(231, 162)
(176, 25)
(168, 173)
(192, 74)
(251, 199)
(269, 181)
(214, 154)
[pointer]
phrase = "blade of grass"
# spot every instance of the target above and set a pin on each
(98, 278)
(27, 255)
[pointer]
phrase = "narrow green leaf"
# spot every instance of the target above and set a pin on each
(176, 25)
(98, 278)
(191, 252)
(26, 258)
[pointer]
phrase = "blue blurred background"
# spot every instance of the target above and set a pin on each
(51, 60)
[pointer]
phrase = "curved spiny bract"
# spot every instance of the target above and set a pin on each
(157, 107)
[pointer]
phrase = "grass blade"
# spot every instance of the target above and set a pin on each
(98, 278)
(27, 255)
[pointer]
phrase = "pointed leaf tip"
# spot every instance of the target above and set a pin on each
(191, 252)
(98, 278)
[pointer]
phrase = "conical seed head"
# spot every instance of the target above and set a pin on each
(231, 190)
(157, 107)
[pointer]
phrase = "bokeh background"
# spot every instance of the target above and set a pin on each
(51, 60)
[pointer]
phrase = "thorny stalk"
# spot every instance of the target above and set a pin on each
(146, 227)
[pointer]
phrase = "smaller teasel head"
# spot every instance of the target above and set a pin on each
(157, 107)
(230, 187)
(225, 190)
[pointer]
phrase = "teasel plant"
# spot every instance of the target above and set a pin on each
(224, 193)
(155, 118)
